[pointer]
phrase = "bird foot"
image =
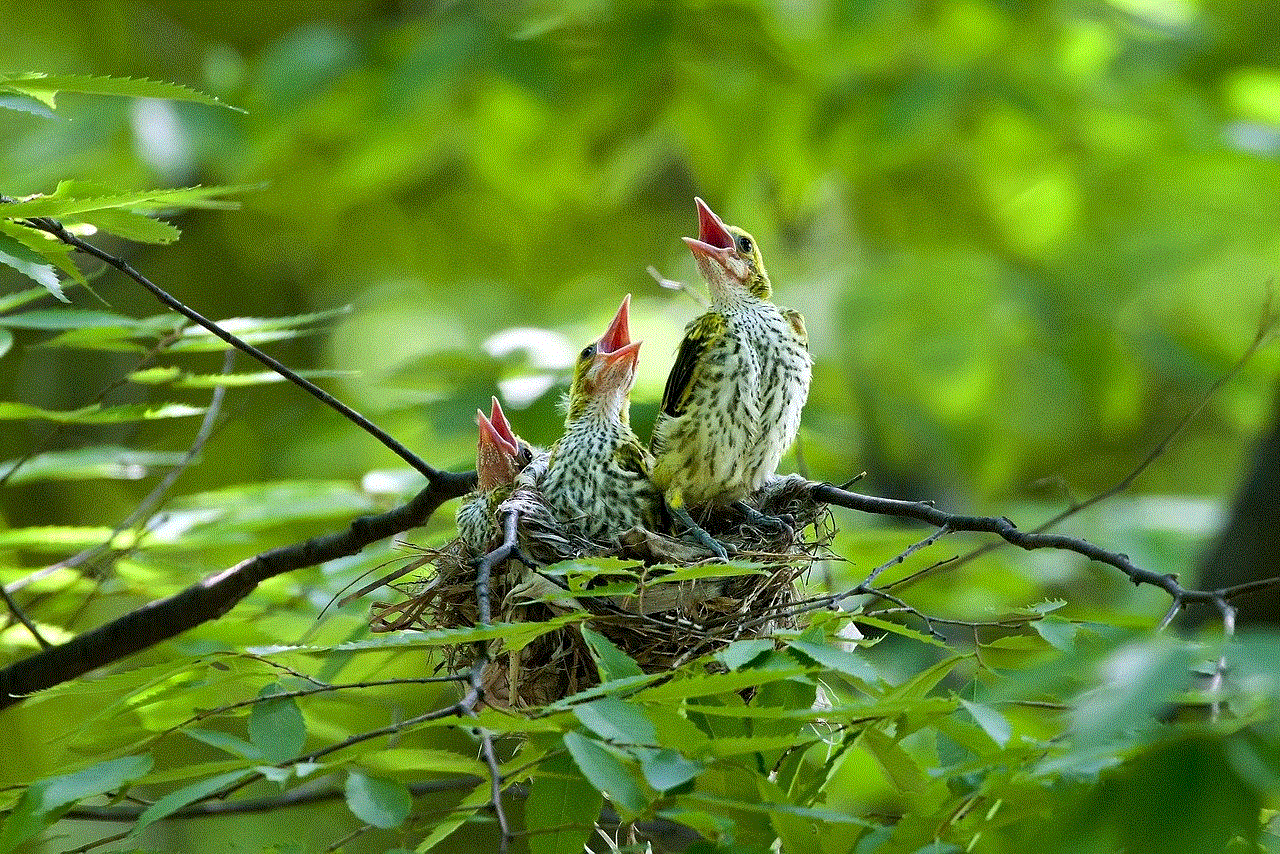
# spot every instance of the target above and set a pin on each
(701, 537)
(764, 521)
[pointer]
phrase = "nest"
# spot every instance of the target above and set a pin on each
(663, 601)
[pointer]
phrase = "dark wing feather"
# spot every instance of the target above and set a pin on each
(688, 361)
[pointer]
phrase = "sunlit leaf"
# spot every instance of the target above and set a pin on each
(276, 726)
(561, 809)
(44, 87)
(606, 772)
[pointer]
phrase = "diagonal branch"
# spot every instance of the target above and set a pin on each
(59, 231)
(215, 595)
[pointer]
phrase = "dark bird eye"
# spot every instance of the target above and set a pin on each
(587, 351)
(744, 245)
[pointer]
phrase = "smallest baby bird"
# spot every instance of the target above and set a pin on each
(596, 476)
(500, 456)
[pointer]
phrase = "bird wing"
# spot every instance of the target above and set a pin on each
(796, 319)
(684, 372)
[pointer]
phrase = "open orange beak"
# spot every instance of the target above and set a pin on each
(618, 335)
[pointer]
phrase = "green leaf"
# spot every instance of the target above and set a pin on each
(132, 226)
(46, 247)
(276, 726)
(838, 660)
(616, 721)
(561, 809)
(898, 629)
(175, 801)
(21, 298)
(377, 801)
(1060, 633)
(177, 377)
(23, 104)
(739, 654)
(63, 203)
(6, 341)
(992, 722)
(606, 773)
(44, 799)
(98, 461)
(31, 265)
(451, 821)
(97, 414)
(667, 769)
(45, 87)
(612, 662)
(234, 745)
(66, 318)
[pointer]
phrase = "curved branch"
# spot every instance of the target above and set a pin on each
(214, 596)
(56, 228)
(1009, 532)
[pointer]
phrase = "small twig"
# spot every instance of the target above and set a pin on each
(1267, 321)
(21, 617)
(292, 798)
(153, 499)
(57, 230)
(674, 285)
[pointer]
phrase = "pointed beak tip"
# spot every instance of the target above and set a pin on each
(618, 335)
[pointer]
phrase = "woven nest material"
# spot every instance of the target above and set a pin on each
(653, 607)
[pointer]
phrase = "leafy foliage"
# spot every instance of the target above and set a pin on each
(1025, 239)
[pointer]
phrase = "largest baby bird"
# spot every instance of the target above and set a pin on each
(731, 407)
(595, 478)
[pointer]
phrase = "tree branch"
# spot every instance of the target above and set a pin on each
(215, 595)
(57, 230)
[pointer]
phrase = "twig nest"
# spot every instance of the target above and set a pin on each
(657, 598)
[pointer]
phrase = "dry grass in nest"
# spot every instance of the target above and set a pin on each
(664, 605)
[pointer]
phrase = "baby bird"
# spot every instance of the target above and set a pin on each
(732, 402)
(500, 456)
(596, 476)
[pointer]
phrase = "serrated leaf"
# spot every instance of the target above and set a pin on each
(45, 799)
(838, 660)
(31, 265)
(99, 461)
(561, 809)
(739, 654)
(898, 629)
(45, 87)
(97, 414)
(130, 225)
(21, 298)
(616, 721)
(1059, 633)
(175, 801)
(276, 726)
(24, 104)
(45, 246)
(992, 722)
(606, 772)
(896, 763)
(407, 760)
(63, 204)
(177, 377)
(377, 801)
(667, 769)
(612, 662)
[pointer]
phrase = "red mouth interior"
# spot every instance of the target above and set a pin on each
(500, 424)
(711, 228)
(618, 335)
(494, 439)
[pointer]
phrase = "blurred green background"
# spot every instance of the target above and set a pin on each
(1027, 237)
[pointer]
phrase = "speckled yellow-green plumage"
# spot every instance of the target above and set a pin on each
(500, 456)
(596, 476)
(732, 403)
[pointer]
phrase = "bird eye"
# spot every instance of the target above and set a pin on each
(744, 245)
(587, 351)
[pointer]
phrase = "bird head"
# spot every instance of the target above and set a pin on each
(500, 454)
(606, 370)
(728, 258)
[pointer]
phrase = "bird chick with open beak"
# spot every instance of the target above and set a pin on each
(732, 402)
(500, 456)
(596, 476)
